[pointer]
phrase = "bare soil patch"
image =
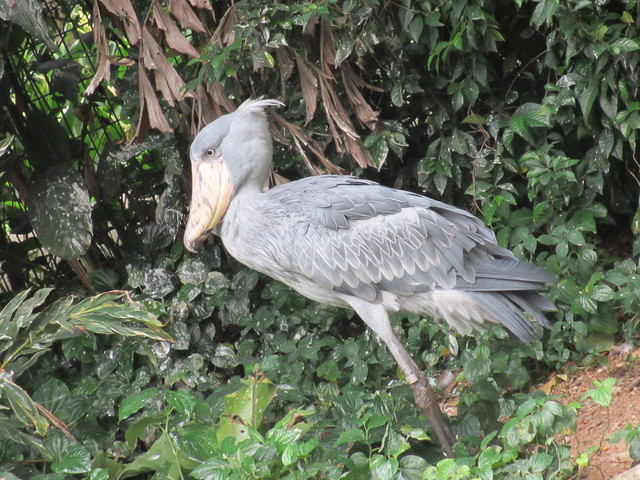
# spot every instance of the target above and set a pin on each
(596, 423)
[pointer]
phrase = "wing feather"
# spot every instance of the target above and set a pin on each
(359, 238)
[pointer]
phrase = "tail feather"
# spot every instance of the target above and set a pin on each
(534, 304)
(507, 275)
(508, 310)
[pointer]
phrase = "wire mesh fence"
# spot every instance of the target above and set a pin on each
(51, 123)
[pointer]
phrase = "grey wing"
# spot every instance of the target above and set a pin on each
(360, 238)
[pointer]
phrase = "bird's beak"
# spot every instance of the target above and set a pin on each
(211, 192)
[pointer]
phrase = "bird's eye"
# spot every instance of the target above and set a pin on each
(210, 152)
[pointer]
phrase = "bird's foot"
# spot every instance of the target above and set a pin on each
(426, 401)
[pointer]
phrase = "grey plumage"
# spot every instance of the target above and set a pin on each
(353, 243)
(354, 237)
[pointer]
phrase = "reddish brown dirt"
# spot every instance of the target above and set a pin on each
(595, 423)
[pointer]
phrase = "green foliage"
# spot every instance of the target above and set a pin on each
(525, 113)
(29, 334)
(631, 436)
(60, 212)
(603, 393)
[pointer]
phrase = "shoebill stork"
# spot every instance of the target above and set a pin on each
(353, 243)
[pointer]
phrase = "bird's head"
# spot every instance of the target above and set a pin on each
(231, 153)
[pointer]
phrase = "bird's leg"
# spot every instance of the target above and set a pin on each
(377, 318)
(423, 395)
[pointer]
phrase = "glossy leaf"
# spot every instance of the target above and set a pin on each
(60, 212)
(135, 402)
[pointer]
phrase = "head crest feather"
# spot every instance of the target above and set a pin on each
(258, 104)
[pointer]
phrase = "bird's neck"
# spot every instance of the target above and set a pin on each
(249, 189)
(241, 225)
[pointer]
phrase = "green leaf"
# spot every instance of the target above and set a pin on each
(360, 371)
(183, 402)
(268, 59)
(7, 312)
(617, 436)
(162, 456)
(475, 119)
(602, 293)
(626, 17)
(575, 237)
(415, 28)
(634, 448)
(539, 462)
(198, 442)
(103, 315)
(625, 45)
(98, 474)
(489, 456)
(350, 436)
(412, 467)
(383, 468)
(60, 212)
(103, 279)
(5, 144)
(433, 19)
(600, 341)
(213, 469)
(135, 402)
(245, 406)
(21, 403)
(520, 125)
(587, 303)
(138, 428)
(75, 460)
(603, 393)
(379, 153)
(396, 98)
(289, 456)
(589, 95)
(544, 12)
(396, 444)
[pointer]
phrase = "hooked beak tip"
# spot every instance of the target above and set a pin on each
(191, 246)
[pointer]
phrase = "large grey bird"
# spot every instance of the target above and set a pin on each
(353, 243)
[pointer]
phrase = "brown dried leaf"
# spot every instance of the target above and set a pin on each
(309, 85)
(285, 62)
(334, 108)
(330, 123)
(352, 84)
(224, 34)
(151, 105)
(277, 179)
(205, 110)
(336, 113)
(301, 141)
(126, 62)
(208, 105)
(360, 154)
(174, 37)
(201, 4)
(167, 79)
(220, 96)
(310, 29)
(185, 15)
(151, 115)
(103, 71)
(124, 10)
(327, 49)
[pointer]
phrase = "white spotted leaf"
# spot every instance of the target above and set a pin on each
(60, 212)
